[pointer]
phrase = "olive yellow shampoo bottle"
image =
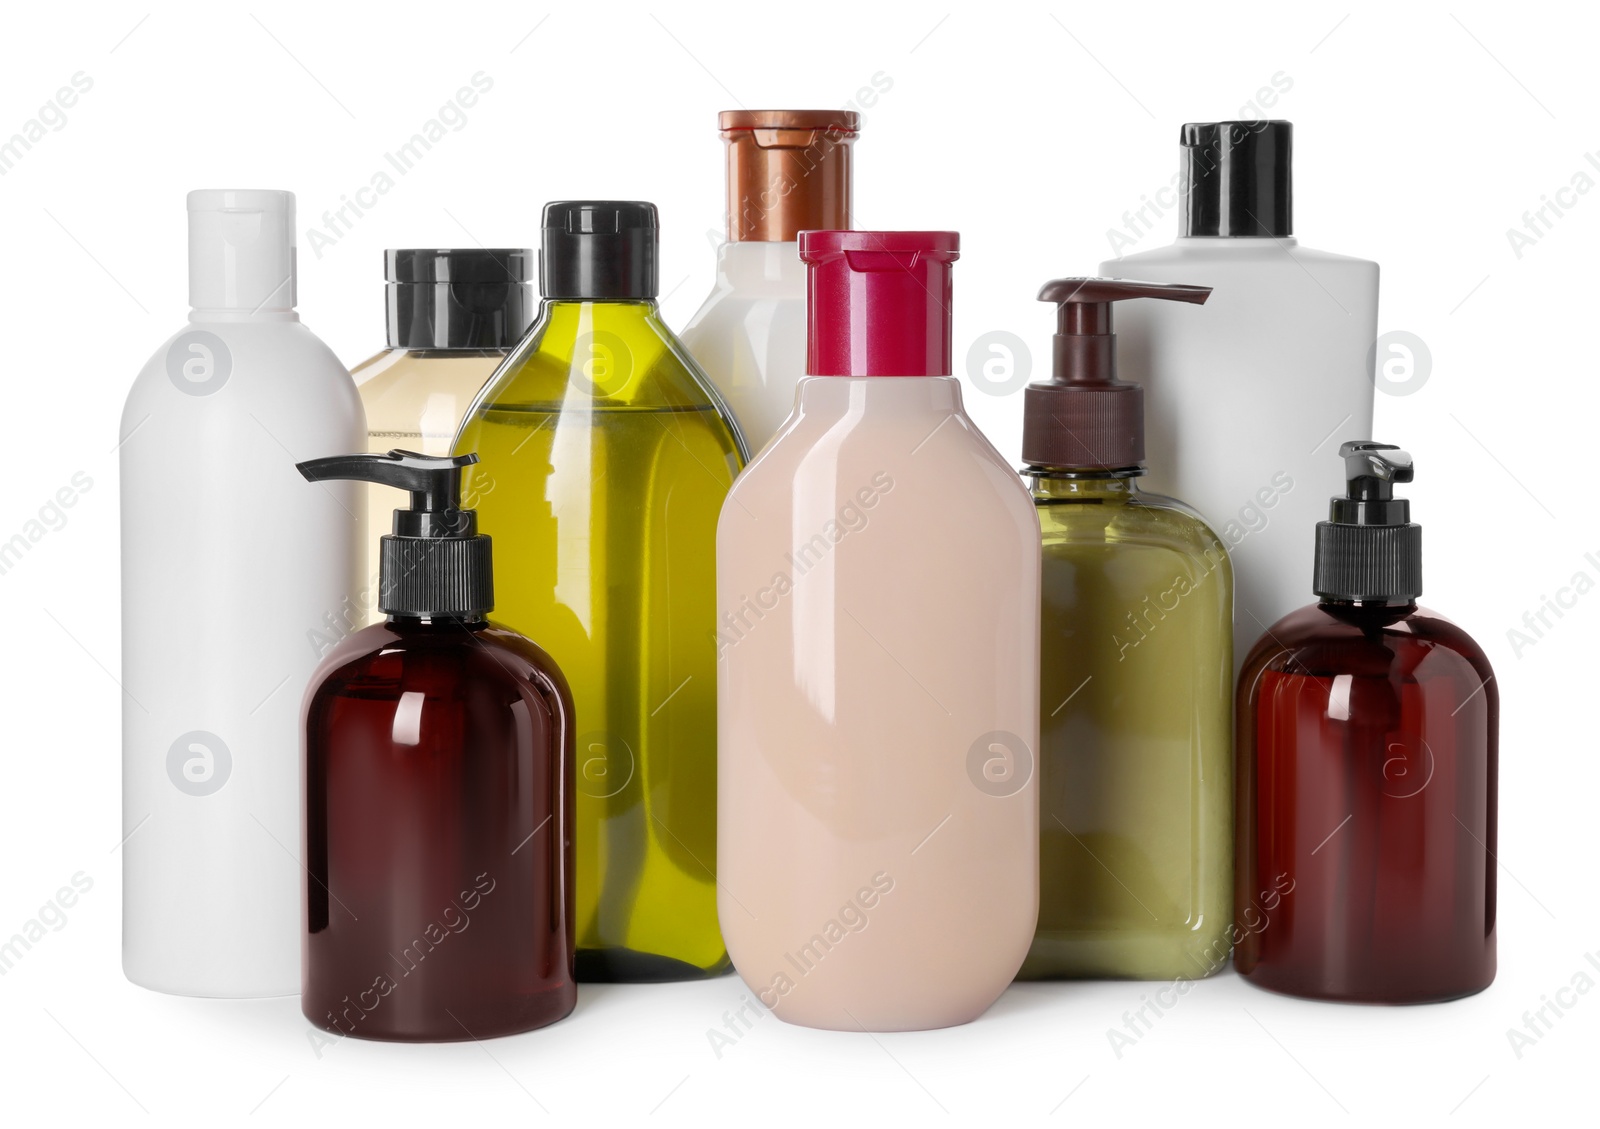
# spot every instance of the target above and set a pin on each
(604, 460)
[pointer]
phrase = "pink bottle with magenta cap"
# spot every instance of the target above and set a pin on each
(878, 670)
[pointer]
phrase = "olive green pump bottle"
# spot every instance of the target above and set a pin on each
(1136, 668)
(604, 458)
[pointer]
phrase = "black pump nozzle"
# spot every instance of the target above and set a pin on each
(1370, 472)
(435, 563)
(433, 481)
(1369, 549)
(1084, 417)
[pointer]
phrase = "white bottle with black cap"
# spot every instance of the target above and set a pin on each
(1282, 362)
(235, 580)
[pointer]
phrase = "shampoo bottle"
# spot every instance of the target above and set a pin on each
(605, 457)
(1135, 680)
(438, 793)
(453, 315)
(1285, 349)
(215, 520)
(1368, 752)
(878, 640)
(788, 172)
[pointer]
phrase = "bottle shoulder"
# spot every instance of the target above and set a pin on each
(603, 356)
(275, 370)
(1223, 250)
(382, 655)
(1326, 640)
(1144, 519)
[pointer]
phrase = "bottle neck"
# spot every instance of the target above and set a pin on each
(768, 268)
(1056, 484)
(1350, 609)
(202, 315)
(836, 397)
(436, 624)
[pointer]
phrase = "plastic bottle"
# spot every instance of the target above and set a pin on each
(878, 591)
(605, 459)
(788, 172)
(453, 315)
(235, 580)
(1136, 676)
(438, 790)
(1368, 765)
(1285, 349)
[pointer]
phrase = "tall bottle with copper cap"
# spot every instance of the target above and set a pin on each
(878, 670)
(788, 172)
(1136, 675)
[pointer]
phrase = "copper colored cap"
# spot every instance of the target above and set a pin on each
(788, 172)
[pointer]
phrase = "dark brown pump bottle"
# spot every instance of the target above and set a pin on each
(438, 775)
(1367, 766)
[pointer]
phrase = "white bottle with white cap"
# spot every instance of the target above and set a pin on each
(236, 579)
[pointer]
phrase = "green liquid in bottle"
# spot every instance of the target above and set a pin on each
(604, 461)
(1136, 770)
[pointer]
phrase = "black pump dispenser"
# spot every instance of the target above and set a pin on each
(1369, 549)
(435, 563)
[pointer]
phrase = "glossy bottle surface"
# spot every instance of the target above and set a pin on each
(210, 436)
(751, 334)
(1285, 346)
(878, 570)
(605, 458)
(1367, 788)
(438, 792)
(414, 400)
(1135, 755)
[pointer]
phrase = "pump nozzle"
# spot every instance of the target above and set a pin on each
(435, 563)
(1369, 549)
(433, 481)
(1084, 417)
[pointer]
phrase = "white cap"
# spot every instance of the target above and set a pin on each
(241, 249)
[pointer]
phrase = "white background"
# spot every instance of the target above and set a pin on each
(1422, 134)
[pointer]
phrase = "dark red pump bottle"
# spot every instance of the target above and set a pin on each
(1366, 774)
(438, 776)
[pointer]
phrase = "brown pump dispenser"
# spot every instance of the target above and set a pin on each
(1083, 417)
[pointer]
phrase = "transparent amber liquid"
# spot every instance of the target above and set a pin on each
(415, 400)
(601, 483)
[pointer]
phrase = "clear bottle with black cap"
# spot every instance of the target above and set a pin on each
(453, 314)
(1135, 673)
(1285, 353)
(1367, 772)
(437, 769)
(605, 457)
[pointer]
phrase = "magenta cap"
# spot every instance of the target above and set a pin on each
(878, 302)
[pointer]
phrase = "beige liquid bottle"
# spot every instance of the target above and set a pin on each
(453, 315)
(878, 641)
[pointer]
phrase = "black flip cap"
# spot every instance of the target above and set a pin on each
(1369, 549)
(435, 563)
(599, 249)
(458, 298)
(1237, 178)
